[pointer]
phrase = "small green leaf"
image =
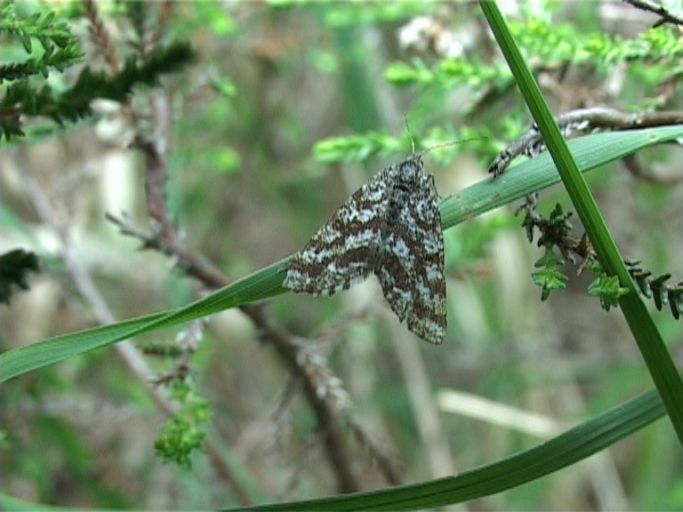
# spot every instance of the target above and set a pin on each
(549, 279)
(178, 440)
(549, 259)
(182, 434)
(33, 19)
(224, 86)
(355, 148)
(225, 160)
(47, 19)
(401, 73)
(608, 289)
(25, 41)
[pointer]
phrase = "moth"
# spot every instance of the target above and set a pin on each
(390, 227)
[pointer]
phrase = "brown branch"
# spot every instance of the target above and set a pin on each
(166, 239)
(638, 168)
(186, 347)
(582, 121)
(125, 349)
(320, 392)
(384, 461)
(10, 111)
(664, 14)
(325, 405)
(101, 37)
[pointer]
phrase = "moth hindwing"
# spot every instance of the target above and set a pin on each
(391, 227)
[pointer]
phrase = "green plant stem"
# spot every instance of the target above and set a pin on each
(652, 348)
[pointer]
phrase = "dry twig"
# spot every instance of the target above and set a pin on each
(583, 121)
(665, 16)
(319, 388)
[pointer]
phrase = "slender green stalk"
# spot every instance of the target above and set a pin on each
(574, 445)
(654, 352)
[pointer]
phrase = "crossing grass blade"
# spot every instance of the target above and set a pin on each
(590, 152)
(255, 287)
(568, 448)
(655, 354)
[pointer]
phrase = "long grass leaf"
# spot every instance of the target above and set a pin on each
(564, 450)
(591, 151)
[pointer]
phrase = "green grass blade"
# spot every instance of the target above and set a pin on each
(259, 285)
(568, 448)
(591, 151)
(16, 505)
(654, 352)
(564, 450)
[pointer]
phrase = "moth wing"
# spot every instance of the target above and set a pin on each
(411, 269)
(346, 247)
(396, 274)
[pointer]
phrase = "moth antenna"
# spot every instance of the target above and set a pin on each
(412, 141)
(451, 143)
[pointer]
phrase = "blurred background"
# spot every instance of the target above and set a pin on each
(285, 110)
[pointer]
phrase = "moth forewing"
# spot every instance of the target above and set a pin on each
(391, 227)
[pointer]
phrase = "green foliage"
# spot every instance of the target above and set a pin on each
(563, 43)
(15, 266)
(448, 73)
(608, 289)
(74, 103)
(224, 86)
(60, 50)
(555, 237)
(657, 289)
(442, 143)
(182, 434)
(58, 59)
(549, 277)
(558, 227)
(550, 43)
(356, 148)
(352, 14)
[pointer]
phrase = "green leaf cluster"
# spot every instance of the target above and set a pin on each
(60, 48)
(448, 73)
(608, 289)
(553, 45)
(74, 103)
(556, 44)
(549, 277)
(356, 148)
(443, 144)
(183, 433)
(340, 15)
(25, 97)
